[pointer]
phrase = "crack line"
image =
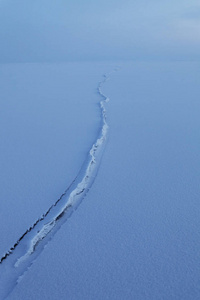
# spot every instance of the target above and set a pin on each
(18, 259)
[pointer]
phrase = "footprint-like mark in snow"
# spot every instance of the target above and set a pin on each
(24, 252)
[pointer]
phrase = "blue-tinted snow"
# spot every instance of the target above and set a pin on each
(18, 259)
(49, 119)
(136, 235)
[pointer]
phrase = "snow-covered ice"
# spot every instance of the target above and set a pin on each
(136, 234)
(57, 123)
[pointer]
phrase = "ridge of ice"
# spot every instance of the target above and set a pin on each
(20, 257)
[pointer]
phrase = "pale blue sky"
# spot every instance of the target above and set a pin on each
(116, 29)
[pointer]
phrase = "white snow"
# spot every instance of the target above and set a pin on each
(135, 235)
(79, 125)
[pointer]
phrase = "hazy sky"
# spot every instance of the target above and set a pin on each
(37, 30)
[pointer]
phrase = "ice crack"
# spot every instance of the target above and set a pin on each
(19, 258)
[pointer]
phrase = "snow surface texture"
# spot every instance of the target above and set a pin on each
(136, 235)
(20, 257)
(49, 118)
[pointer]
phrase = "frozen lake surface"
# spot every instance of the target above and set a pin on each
(49, 119)
(136, 234)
